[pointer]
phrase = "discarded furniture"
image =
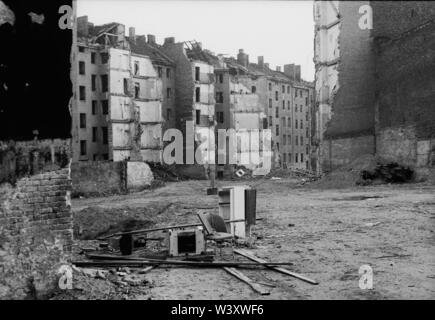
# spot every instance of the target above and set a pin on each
(238, 203)
(208, 221)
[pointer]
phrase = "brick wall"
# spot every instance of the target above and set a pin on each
(405, 86)
(352, 107)
(35, 233)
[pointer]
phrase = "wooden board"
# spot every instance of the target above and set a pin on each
(252, 257)
(255, 286)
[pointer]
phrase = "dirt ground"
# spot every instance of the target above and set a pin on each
(326, 233)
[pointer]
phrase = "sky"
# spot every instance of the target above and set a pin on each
(281, 31)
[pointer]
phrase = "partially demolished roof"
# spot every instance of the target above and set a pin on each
(140, 46)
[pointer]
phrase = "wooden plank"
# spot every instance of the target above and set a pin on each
(131, 261)
(252, 257)
(255, 286)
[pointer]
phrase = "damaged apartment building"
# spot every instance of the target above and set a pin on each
(286, 102)
(374, 83)
(124, 94)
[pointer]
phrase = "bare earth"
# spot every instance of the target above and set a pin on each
(327, 234)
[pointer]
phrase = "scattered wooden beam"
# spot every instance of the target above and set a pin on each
(143, 262)
(252, 257)
(255, 286)
(164, 228)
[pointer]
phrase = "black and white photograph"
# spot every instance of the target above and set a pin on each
(217, 151)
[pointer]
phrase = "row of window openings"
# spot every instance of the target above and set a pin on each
(104, 59)
(284, 156)
(288, 90)
(104, 81)
(104, 56)
(301, 123)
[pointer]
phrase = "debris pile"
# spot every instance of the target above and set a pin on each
(389, 172)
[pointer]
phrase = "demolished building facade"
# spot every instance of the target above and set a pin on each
(363, 106)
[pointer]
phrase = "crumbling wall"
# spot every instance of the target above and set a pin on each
(405, 65)
(35, 185)
(93, 178)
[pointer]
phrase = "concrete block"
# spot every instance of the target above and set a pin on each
(139, 175)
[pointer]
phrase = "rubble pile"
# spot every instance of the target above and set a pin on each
(389, 172)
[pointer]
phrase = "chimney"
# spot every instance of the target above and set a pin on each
(261, 61)
(141, 39)
(83, 26)
(278, 68)
(289, 70)
(151, 39)
(169, 40)
(243, 58)
(298, 73)
(132, 34)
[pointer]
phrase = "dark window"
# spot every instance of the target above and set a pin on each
(264, 123)
(94, 107)
(302, 124)
(168, 92)
(289, 122)
(81, 67)
(136, 90)
(198, 116)
(302, 157)
(82, 93)
(94, 134)
(105, 106)
(284, 157)
(160, 71)
(288, 105)
(270, 86)
(307, 149)
(83, 147)
(289, 157)
(296, 141)
(270, 121)
(296, 123)
(136, 68)
(104, 57)
(300, 108)
(197, 70)
(253, 89)
(300, 93)
(105, 135)
(270, 103)
(283, 105)
(221, 78)
(94, 82)
(277, 146)
(220, 116)
(219, 97)
(296, 157)
(284, 139)
(276, 95)
(105, 156)
(82, 120)
(302, 141)
(168, 73)
(95, 157)
(81, 49)
(104, 83)
(277, 130)
(197, 94)
(283, 89)
(276, 112)
(296, 95)
(283, 121)
(306, 132)
(168, 114)
(288, 89)
(126, 91)
(306, 101)
(93, 57)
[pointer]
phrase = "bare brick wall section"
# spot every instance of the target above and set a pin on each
(352, 108)
(35, 233)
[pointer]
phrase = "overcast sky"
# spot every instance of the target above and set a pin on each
(281, 31)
